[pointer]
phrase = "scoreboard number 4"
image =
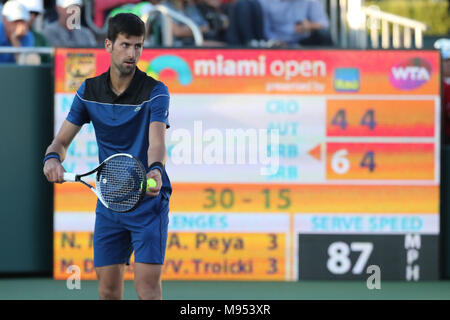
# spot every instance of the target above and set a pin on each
(340, 119)
(339, 261)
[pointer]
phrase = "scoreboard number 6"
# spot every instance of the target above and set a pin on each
(339, 261)
(339, 163)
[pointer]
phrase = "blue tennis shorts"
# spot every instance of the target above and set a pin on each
(144, 231)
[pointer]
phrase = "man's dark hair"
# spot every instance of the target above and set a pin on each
(126, 23)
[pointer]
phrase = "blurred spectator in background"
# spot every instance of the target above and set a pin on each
(206, 14)
(296, 22)
(246, 23)
(14, 31)
(67, 31)
(139, 9)
(183, 35)
(142, 11)
(35, 8)
(226, 6)
(444, 46)
(217, 21)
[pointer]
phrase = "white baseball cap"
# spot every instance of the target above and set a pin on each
(443, 45)
(14, 10)
(33, 5)
(68, 3)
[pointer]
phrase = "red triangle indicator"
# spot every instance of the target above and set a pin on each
(316, 152)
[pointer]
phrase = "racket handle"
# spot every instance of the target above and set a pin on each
(151, 183)
(69, 176)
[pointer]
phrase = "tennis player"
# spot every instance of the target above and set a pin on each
(129, 111)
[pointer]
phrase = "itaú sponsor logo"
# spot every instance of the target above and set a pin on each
(410, 74)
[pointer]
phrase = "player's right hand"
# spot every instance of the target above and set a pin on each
(54, 171)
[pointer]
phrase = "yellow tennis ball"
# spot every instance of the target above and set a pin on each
(151, 183)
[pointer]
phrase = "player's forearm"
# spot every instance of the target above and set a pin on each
(157, 153)
(59, 148)
(62, 140)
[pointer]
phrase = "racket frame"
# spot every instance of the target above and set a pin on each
(72, 177)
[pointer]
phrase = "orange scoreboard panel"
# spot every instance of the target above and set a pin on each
(285, 165)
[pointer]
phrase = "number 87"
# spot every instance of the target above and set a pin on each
(339, 261)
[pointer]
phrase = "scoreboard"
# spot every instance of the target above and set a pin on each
(285, 164)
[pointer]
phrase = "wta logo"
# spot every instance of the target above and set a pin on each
(410, 74)
(169, 66)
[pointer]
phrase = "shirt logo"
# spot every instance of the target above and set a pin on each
(137, 109)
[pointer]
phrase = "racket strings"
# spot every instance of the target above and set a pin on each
(120, 182)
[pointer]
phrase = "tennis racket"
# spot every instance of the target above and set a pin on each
(120, 182)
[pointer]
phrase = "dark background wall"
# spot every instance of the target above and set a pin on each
(26, 122)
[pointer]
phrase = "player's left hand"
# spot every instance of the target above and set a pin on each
(156, 175)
